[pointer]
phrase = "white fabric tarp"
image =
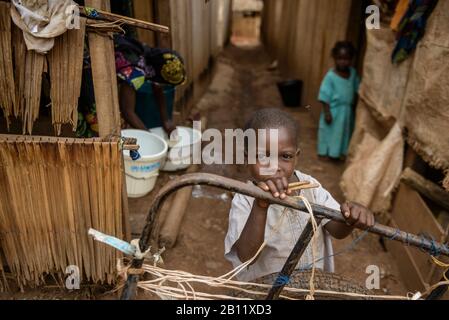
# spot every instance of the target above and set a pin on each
(384, 84)
(426, 104)
(366, 123)
(375, 170)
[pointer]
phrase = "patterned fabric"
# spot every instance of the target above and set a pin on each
(87, 123)
(400, 11)
(136, 63)
(135, 75)
(412, 28)
(168, 66)
(91, 12)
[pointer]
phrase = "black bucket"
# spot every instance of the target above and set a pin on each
(290, 91)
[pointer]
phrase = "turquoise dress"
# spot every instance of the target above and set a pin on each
(339, 93)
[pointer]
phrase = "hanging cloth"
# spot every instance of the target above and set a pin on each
(400, 11)
(412, 28)
(41, 21)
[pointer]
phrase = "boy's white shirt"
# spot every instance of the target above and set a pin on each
(280, 244)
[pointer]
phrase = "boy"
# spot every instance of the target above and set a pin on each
(253, 221)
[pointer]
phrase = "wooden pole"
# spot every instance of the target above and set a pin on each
(105, 79)
(172, 224)
(106, 94)
(292, 261)
(165, 210)
(425, 187)
(171, 218)
(98, 14)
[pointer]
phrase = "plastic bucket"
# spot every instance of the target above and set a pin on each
(291, 91)
(181, 151)
(141, 174)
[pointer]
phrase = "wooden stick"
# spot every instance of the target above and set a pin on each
(165, 211)
(297, 184)
(95, 14)
(426, 187)
(105, 79)
(130, 140)
(305, 186)
(162, 233)
(172, 224)
(131, 147)
(292, 260)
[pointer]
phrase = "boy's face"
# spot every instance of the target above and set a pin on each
(286, 160)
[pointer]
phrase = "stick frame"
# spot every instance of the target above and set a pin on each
(212, 180)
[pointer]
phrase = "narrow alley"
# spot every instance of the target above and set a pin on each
(242, 84)
(103, 196)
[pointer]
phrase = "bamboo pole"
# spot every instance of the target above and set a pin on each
(105, 82)
(97, 14)
(106, 94)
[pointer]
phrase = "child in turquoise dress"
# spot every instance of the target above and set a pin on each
(338, 95)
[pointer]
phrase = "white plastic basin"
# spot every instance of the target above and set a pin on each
(180, 153)
(141, 175)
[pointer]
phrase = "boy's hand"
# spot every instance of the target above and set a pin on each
(357, 215)
(278, 188)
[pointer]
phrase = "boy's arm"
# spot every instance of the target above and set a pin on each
(356, 215)
(338, 230)
(253, 233)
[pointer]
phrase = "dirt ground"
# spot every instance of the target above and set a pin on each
(241, 84)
